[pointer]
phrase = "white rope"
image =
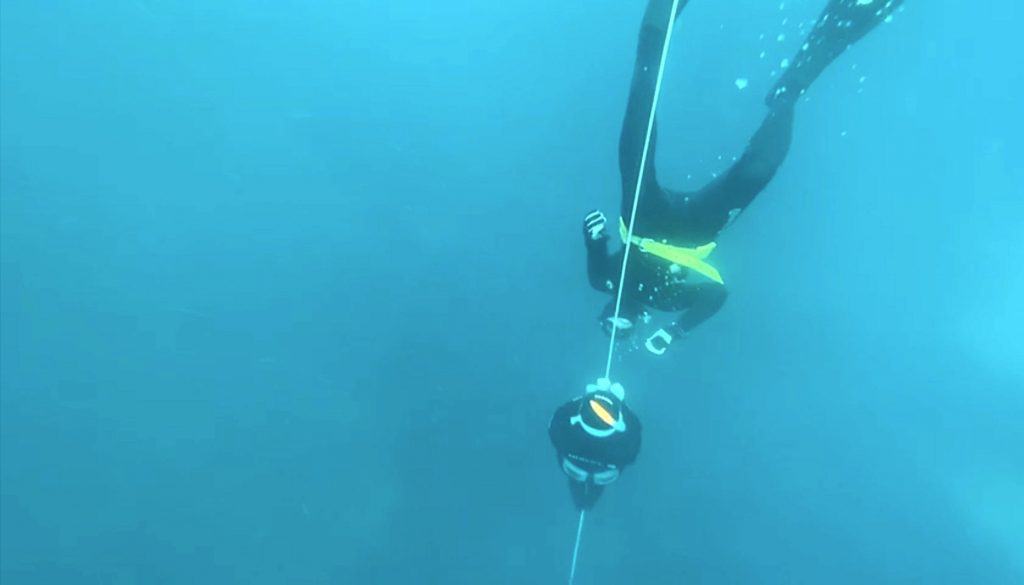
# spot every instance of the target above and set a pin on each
(639, 185)
(576, 549)
(629, 238)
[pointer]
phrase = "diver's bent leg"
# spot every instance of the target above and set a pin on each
(842, 23)
(638, 111)
(641, 98)
(705, 300)
(719, 203)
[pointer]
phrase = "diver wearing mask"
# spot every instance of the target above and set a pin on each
(595, 437)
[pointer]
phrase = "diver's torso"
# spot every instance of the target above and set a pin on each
(654, 283)
(595, 454)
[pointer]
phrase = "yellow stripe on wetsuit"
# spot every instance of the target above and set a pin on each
(692, 258)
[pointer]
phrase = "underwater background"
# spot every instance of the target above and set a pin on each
(291, 289)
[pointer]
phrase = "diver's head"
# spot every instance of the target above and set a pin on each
(600, 414)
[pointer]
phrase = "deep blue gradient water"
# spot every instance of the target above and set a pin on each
(290, 290)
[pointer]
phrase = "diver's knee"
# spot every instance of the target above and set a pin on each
(757, 171)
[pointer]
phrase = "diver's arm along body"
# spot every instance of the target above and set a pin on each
(600, 265)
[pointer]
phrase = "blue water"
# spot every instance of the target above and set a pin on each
(290, 290)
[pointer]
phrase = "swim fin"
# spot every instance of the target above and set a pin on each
(840, 25)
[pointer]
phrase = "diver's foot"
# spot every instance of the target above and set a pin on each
(840, 25)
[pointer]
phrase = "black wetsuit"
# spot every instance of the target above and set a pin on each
(592, 454)
(695, 218)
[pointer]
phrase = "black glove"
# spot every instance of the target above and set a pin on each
(593, 225)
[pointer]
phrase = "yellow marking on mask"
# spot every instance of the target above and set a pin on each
(603, 414)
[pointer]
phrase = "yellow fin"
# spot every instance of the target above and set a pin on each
(692, 258)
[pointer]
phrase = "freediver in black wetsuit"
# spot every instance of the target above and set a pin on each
(676, 230)
(595, 436)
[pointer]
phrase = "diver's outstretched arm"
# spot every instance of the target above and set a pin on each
(842, 23)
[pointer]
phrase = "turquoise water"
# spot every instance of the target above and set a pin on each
(290, 290)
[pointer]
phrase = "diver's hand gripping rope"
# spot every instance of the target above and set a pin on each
(640, 182)
(632, 220)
